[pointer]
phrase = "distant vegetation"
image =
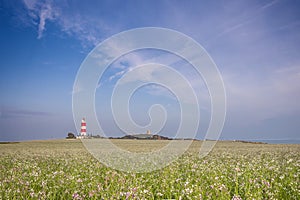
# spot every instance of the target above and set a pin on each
(63, 169)
(9, 142)
(145, 137)
(71, 136)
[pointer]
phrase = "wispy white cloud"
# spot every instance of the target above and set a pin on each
(174, 81)
(126, 63)
(120, 73)
(241, 21)
(46, 13)
(290, 25)
(41, 12)
(132, 60)
(31, 4)
(77, 89)
(10, 112)
(158, 90)
(269, 4)
(256, 98)
(85, 28)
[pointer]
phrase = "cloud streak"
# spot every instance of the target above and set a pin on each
(41, 12)
(46, 13)
(79, 25)
(17, 113)
(260, 99)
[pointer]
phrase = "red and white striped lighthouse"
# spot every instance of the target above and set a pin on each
(83, 127)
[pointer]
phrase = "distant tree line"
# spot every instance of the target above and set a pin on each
(71, 136)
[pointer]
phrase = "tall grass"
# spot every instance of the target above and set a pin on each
(63, 169)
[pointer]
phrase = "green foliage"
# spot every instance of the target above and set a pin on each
(70, 136)
(63, 169)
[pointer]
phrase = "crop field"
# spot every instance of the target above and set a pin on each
(63, 169)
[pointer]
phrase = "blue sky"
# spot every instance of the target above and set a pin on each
(255, 45)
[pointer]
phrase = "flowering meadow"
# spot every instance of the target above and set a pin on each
(63, 169)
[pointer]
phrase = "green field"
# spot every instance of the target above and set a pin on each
(63, 169)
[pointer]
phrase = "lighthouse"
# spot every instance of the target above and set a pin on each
(83, 128)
